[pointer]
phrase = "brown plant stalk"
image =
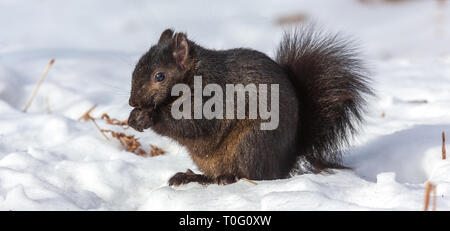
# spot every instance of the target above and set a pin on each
(250, 181)
(444, 153)
(87, 116)
(428, 188)
(128, 142)
(112, 121)
(36, 88)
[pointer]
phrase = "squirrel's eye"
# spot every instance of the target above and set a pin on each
(159, 77)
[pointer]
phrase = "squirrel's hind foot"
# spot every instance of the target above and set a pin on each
(226, 179)
(189, 176)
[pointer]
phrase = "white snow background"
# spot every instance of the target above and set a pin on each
(51, 161)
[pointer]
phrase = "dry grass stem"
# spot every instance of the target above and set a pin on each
(444, 153)
(86, 116)
(128, 142)
(112, 121)
(101, 130)
(36, 88)
(250, 181)
(428, 188)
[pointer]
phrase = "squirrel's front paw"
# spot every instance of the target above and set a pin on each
(140, 119)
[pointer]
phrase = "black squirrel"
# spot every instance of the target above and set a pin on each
(322, 84)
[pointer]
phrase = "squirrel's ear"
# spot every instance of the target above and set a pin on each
(165, 35)
(181, 49)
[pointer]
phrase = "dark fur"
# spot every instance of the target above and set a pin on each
(321, 86)
(332, 85)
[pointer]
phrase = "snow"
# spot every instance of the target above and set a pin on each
(51, 161)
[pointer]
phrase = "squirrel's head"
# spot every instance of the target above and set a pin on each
(164, 65)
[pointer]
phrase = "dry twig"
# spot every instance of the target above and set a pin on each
(36, 88)
(87, 116)
(250, 181)
(444, 153)
(112, 121)
(430, 187)
(129, 142)
(101, 130)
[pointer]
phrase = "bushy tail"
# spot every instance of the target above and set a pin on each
(332, 85)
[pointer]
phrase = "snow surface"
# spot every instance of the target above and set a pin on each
(51, 161)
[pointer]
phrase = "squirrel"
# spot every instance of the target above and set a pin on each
(323, 86)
